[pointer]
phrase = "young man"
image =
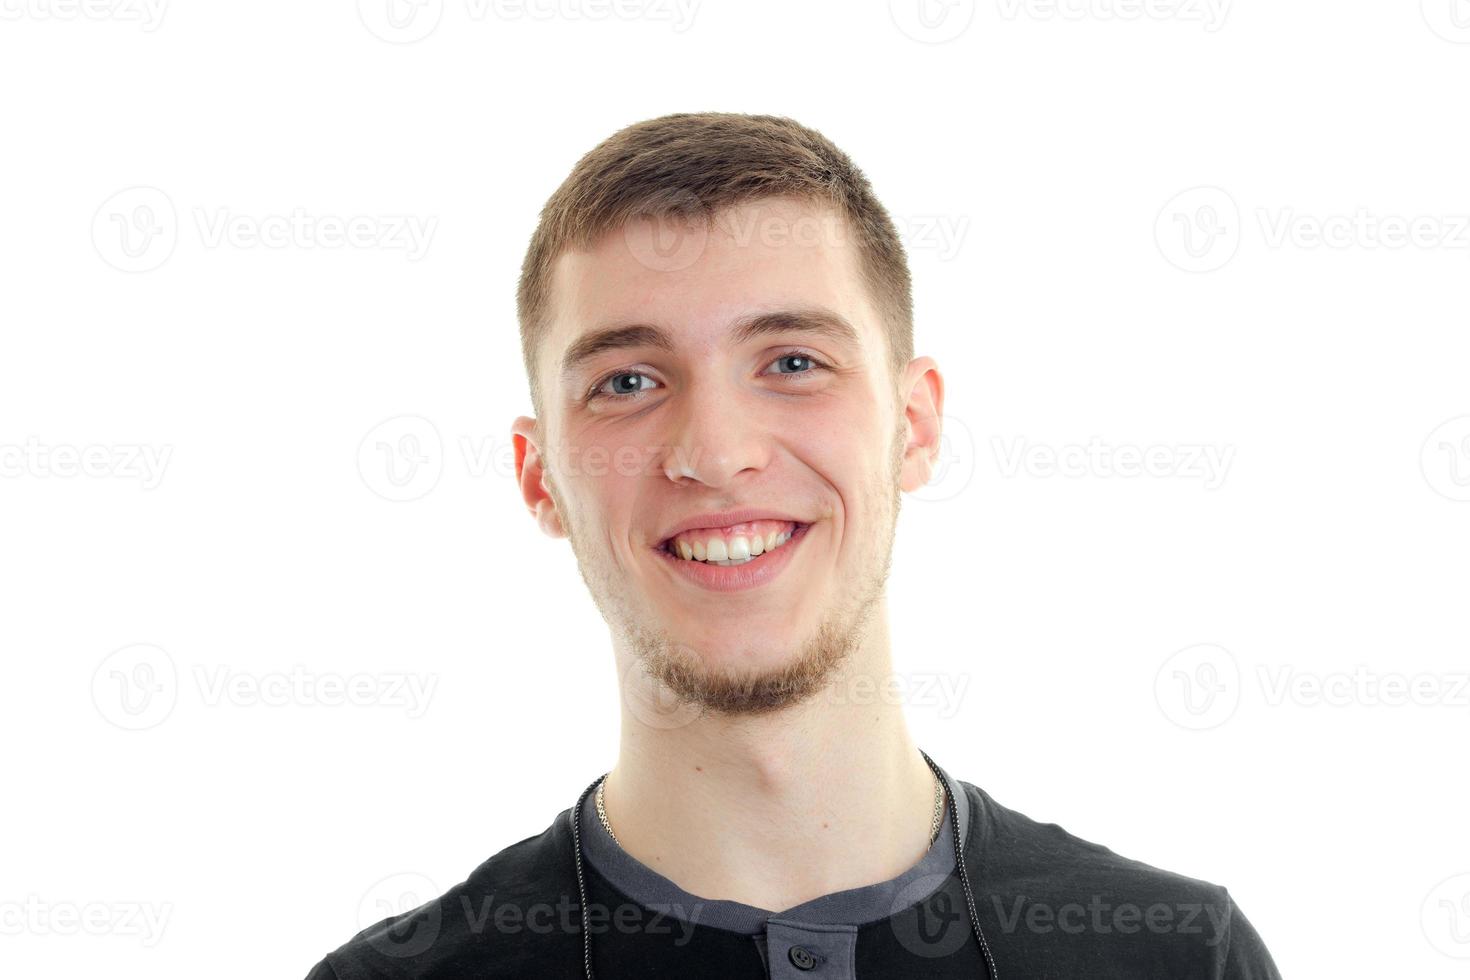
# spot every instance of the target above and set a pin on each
(716, 322)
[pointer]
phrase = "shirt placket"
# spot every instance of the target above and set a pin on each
(809, 951)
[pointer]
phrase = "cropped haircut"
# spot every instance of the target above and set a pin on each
(694, 166)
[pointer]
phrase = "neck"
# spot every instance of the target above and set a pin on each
(781, 808)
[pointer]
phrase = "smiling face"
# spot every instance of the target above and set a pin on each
(730, 399)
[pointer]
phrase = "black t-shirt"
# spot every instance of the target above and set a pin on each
(1050, 905)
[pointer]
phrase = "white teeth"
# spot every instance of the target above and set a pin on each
(736, 550)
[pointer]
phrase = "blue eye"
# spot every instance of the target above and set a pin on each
(799, 359)
(619, 388)
(629, 385)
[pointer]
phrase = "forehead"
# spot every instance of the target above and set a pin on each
(695, 280)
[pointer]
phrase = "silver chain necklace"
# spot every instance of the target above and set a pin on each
(933, 824)
(991, 972)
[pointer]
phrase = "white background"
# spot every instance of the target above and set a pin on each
(1072, 284)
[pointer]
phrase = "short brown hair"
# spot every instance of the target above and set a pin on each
(694, 162)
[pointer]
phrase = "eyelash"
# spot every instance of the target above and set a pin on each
(597, 393)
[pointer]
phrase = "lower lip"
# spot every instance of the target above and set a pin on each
(736, 578)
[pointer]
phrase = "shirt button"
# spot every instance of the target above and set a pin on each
(801, 958)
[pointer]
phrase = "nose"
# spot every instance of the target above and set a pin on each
(713, 437)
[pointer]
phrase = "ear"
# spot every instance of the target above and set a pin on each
(923, 390)
(531, 476)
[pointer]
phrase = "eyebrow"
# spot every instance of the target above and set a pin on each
(821, 322)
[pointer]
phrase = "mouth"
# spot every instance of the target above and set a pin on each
(740, 556)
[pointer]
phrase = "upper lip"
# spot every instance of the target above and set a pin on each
(725, 518)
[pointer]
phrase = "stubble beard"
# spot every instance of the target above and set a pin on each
(689, 678)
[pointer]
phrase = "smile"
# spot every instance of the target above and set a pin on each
(733, 558)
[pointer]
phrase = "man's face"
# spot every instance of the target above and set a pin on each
(799, 423)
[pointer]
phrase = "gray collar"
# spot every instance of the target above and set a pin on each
(852, 907)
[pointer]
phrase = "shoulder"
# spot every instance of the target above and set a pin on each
(514, 915)
(1046, 887)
